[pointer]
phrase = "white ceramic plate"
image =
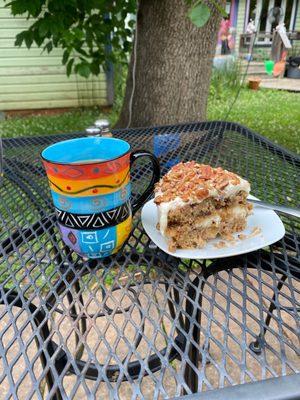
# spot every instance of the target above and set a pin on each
(270, 225)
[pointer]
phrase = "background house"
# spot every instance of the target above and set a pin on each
(32, 79)
(240, 12)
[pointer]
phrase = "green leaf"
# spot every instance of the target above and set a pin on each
(83, 70)
(89, 38)
(126, 46)
(66, 56)
(78, 33)
(48, 47)
(37, 38)
(199, 14)
(69, 66)
(81, 51)
(131, 23)
(17, 7)
(19, 39)
(28, 39)
(43, 27)
(95, 68)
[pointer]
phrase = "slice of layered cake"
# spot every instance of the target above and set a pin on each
(197, 202)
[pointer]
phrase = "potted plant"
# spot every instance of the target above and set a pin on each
(254, 82)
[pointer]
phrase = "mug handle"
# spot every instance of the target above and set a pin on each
(155, 176)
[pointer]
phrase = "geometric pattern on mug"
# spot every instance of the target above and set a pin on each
(94, 221)
(73, 172)
(99, 241)
(91, 204)
(72, 238)
(87, 171)
(98, 202)
(64, 203)
(108, 246)
(89, 237)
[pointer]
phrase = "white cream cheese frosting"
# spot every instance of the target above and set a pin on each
(232, 190)
(163, 211)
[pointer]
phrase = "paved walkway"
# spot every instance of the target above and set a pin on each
(292, 85)
(271, 366)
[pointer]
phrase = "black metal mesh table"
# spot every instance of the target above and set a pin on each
(143, 324)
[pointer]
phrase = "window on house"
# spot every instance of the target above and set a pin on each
(227, 7)
(289, 23)
(259, 12)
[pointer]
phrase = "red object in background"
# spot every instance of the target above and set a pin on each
(224, 29)
(279, 67)
(224, 36)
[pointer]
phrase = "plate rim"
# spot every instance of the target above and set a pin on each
(175, 254)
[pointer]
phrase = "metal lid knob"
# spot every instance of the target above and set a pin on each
(93, 130)
(102, 123)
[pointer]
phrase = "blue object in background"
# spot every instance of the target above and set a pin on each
(163, 145)
(224, 62)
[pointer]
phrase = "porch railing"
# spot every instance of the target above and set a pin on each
(263, 44)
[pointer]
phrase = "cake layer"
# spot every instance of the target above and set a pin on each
(195, 232)
(191, 211)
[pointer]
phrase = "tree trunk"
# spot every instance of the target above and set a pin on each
(173, 65)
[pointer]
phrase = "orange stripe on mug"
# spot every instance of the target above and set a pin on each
(90, 187)
(77, 171)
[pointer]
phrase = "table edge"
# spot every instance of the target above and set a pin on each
(280, 388)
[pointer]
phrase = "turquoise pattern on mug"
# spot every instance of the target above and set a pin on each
(91, 204)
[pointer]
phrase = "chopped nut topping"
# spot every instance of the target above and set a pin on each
(228, 236)
(255, 232)
(193, 181)
(202, 193)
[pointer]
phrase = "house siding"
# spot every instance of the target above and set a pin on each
(297, 24)
(32, 79)
(240, 22)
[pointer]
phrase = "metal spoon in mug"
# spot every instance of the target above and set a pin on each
(286, 210)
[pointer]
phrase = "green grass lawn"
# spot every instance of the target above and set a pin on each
(274, 114)
(75, 120)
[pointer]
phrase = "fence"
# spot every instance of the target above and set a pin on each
(263, 44)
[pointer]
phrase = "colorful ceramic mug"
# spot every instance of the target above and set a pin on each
(89, 180)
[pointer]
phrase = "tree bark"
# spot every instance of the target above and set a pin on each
(173, 65)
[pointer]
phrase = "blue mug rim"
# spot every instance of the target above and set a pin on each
(86, 163)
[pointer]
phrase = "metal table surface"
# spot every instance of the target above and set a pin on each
(142, 324)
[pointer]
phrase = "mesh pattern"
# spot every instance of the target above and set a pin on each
(143, 324)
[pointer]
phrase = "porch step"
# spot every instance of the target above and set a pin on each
(292, 85)
(255, 68)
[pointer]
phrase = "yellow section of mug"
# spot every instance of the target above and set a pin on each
(123, 231)
(90, 187)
